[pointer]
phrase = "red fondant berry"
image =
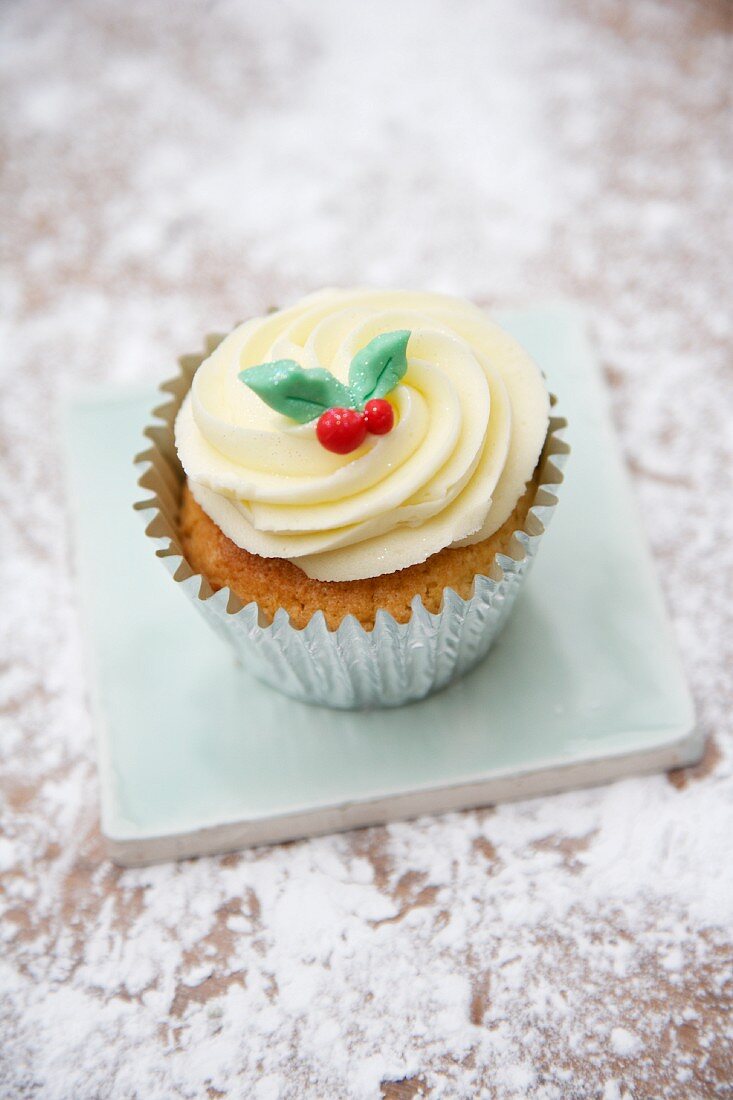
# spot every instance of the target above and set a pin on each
(341, 430)
(379, 416)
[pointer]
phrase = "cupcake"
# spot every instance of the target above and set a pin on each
(353, 489)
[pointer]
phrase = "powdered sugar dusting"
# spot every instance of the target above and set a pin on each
(168, 169)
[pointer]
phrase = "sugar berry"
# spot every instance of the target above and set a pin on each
(341, 430)
(379, 416)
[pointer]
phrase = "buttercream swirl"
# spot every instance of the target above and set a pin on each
(471, 416)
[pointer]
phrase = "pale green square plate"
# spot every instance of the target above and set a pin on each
(196, 756)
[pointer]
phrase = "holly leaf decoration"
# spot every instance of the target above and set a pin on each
(378, 367)
(303, 395)
(295, 392)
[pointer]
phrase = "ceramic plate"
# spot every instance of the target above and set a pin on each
(197, 756)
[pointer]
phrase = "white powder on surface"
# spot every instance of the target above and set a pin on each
(625, 1043)
(167, 169)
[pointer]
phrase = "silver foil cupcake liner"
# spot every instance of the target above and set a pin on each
(350, 667)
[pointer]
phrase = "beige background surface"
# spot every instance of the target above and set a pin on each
(167, 169)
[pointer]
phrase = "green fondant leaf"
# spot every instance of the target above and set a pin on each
(294, 391)
(378, 367)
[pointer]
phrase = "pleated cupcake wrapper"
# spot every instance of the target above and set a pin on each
(350, 667)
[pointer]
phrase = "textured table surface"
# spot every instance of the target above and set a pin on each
(169, 168)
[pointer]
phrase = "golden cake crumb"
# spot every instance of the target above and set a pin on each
(275, 582)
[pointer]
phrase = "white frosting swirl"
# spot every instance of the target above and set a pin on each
(471, 416)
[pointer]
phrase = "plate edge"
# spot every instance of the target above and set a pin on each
(302, 824)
